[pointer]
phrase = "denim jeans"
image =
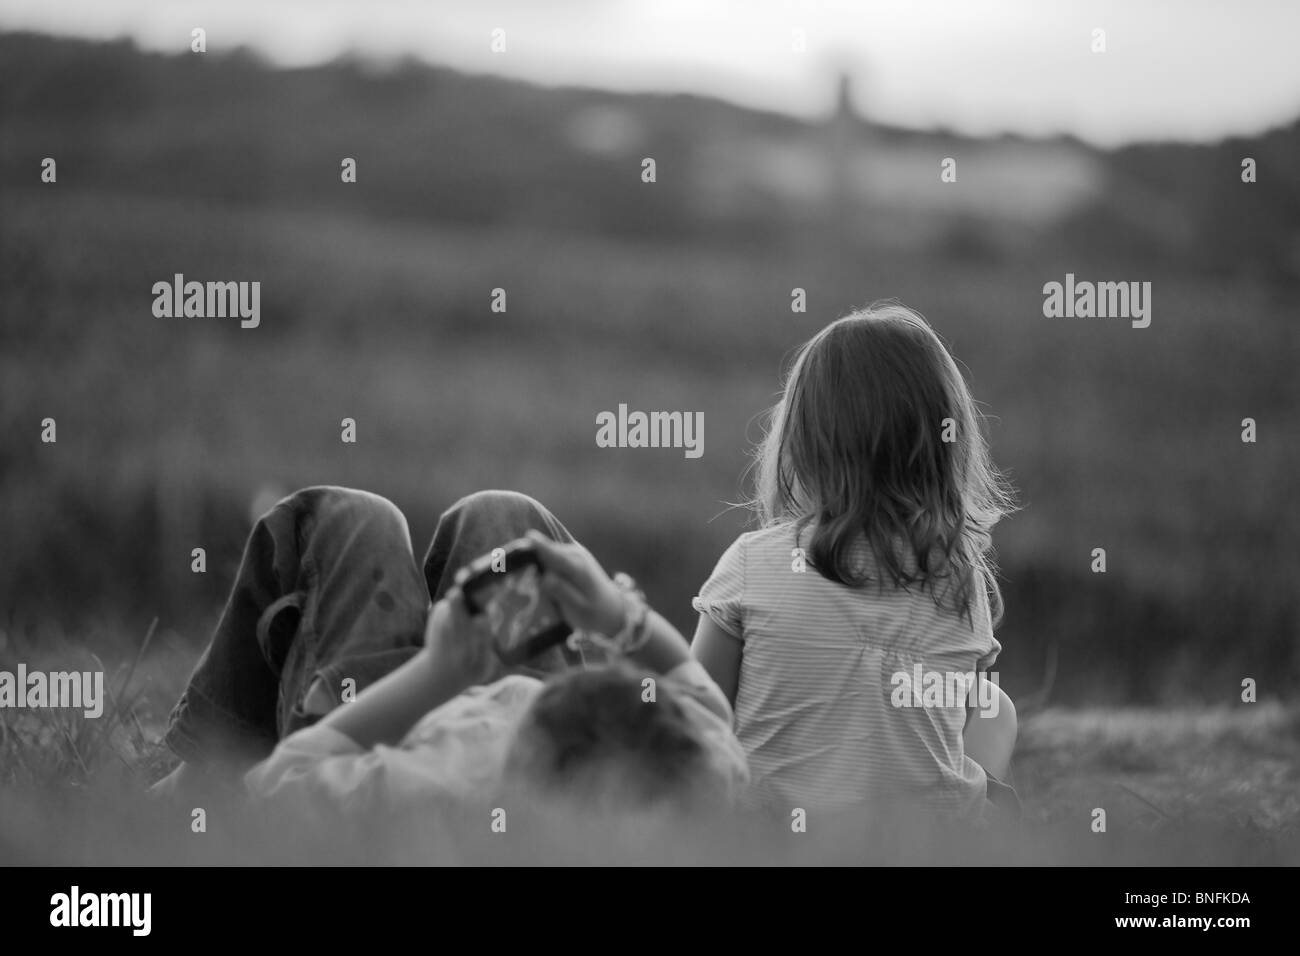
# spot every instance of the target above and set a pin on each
(328, 589)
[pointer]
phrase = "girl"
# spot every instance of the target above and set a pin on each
(876, 498)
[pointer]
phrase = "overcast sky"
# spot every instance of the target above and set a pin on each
(1188, 69)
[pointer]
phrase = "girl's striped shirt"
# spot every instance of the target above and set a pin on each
(816, 703)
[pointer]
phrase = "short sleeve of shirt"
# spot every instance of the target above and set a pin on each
(721, 597)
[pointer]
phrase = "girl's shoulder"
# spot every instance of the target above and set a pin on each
(783, 535)
(754, 550)
(751, 548)
(770, 553)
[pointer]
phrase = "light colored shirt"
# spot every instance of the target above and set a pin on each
(457, 751)
(815, 703)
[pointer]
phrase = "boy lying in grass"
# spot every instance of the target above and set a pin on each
(328, 598)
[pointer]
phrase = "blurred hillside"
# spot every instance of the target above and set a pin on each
(675, 295)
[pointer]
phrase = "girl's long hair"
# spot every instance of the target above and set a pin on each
(876, 438)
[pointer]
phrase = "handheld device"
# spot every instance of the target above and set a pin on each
(505, 588)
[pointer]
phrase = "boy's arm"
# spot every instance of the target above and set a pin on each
(344, 754)
(591, 601)
(385, 711)
(666, 652)
(456, 656)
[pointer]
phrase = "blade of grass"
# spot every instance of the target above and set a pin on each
(1139, 796)
(144, 647)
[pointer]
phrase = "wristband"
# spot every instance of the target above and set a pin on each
(635, 632)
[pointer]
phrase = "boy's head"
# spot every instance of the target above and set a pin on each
(590, 737)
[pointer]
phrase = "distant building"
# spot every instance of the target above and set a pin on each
(846, 145)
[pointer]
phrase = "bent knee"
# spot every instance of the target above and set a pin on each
(327, 504)
(1005, 720)
(1000, 718)
(495, 502)
(992, 729)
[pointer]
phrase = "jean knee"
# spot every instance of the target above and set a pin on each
(479, 522)
(326, 505)
(503, 507)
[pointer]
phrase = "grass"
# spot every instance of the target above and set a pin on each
(1174, 771)
(1189, 787)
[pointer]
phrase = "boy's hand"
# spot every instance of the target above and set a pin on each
(457, 644)
(572, 576)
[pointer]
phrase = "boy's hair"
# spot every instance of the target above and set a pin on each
(855, 447)
(589, 736)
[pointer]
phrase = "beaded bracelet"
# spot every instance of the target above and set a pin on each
(636, 618)
(635, 632)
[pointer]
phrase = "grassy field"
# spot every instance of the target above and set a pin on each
(1179, 787)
